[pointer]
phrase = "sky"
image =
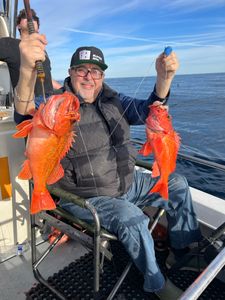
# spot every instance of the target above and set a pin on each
(132, 33)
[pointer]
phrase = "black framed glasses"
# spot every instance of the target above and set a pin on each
(83, 72)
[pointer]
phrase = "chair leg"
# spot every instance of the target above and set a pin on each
(156, 218)
(120, 281)
(35, 261)
(96, 251)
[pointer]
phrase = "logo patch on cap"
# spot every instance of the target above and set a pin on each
(84, 54)
(96, 57)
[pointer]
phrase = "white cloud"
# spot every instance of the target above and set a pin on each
(193, 5)
(132, 33)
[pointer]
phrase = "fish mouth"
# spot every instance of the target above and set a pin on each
(153, 125)
(57, 108)
(158, 118)
(73, 116)
(49, 112)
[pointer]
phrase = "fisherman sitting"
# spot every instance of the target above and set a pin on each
(100, 164)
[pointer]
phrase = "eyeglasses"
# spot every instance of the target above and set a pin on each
(83, 72)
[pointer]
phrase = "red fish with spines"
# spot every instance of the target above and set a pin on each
(50, 136)
(163, 142)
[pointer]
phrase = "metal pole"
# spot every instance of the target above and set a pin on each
(13, 33)
(93, 211)
(204, 279)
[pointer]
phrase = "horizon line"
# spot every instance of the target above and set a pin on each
(154, 76)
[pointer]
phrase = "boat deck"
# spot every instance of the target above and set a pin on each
(69, 267)
(16, 273)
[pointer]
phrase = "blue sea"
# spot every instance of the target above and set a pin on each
(197, 107)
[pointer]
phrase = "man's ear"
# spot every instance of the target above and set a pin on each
(19, 29)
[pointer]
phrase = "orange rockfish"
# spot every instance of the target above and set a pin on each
(164, 143)
(50, 135)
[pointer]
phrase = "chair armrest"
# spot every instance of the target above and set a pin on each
(67, 196)
(143, 164)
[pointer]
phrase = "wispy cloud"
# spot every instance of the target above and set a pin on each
(193, 5)
(194, 40)
(133, 33)
(108, 35)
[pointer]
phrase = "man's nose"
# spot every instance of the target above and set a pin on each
(88, 75)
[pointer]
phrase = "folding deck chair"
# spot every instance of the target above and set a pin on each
(94, 238)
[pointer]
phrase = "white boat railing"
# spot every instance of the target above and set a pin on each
(204, 279)
(192, 158)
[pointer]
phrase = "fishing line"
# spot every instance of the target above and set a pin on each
(167, 51)
(132, 102)
(89, 161)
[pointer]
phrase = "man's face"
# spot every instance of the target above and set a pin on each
(23, 26)
(83, 82)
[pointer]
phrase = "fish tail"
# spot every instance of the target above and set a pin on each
(41, 201)
(161, 188)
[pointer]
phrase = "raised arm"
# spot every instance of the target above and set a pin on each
(32, 48)
(166, 67)
(136, 110)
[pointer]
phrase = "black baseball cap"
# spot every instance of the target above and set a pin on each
(88, 55)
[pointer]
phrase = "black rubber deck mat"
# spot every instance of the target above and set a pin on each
(75, 280)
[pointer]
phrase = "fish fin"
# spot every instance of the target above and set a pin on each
(70, 140)
(55, 234)
(23, 124)
(155, 169)
(161, 188)
(56, 174)
(146, 149)
(25, 173)
(41, 201)
(24, 129)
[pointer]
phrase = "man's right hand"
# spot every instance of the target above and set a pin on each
(32, 48)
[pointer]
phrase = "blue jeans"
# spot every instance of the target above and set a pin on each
(124, 217)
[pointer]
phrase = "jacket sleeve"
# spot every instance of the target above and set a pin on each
(4, 50)
(136, 110)
(10, 54)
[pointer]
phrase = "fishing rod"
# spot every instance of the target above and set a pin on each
(38, 63)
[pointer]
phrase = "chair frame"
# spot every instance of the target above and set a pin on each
(91, 239)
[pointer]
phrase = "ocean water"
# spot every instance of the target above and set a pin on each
(197, 107)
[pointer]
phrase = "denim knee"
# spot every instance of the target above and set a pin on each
(178, 181)
(178, 188)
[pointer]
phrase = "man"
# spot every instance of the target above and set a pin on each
(10, 54)
(100, 164)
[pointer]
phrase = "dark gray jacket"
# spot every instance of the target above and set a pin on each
(101, 160)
